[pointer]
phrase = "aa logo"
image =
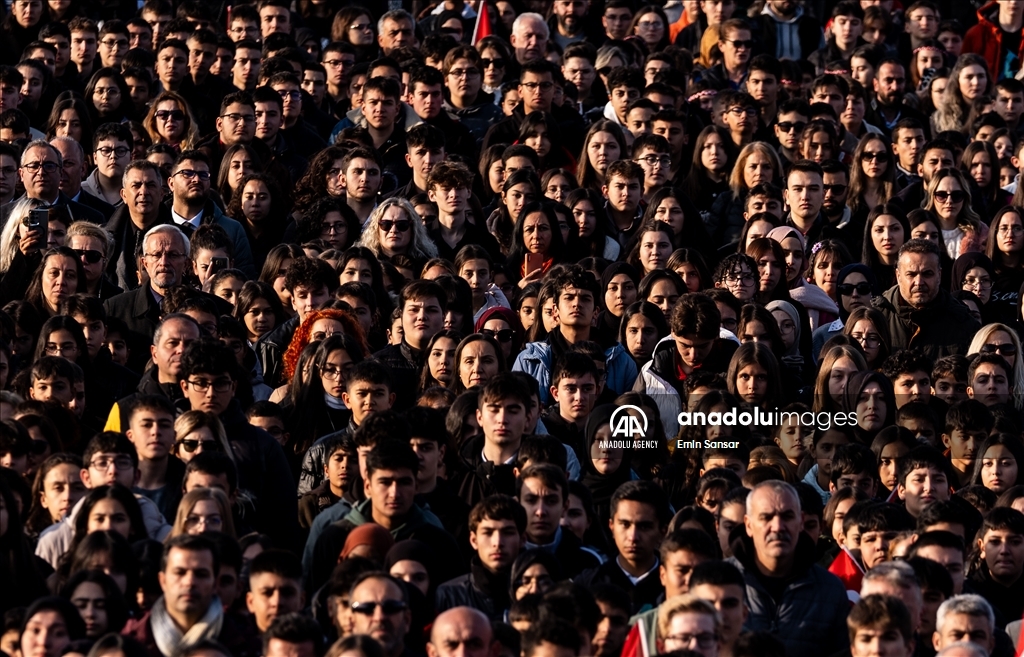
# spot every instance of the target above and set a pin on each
(631, 426)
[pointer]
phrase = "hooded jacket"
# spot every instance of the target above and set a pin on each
(942, 328)
(809, 614)
(536, 360)
(790, 38)
(480, 588)
(986, 39)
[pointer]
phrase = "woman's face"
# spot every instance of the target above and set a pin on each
(602, 150)
(395, 230)
(69, 125)
(874, 160)
(412, 572)
(792, 440)
(91, 602)
(1010, 235)
(516, 197)
(973, 81)
(535, 580)
(794, 258)
(769, 272)
(109, 515)
(938, 89)
(198, 441)
(752, 383)
(332, 374)
(664, 295)
(539, 141)
(757, 169)
(651, 29)
(46, 634)
(169, 120)
(537, 233)
(360, 31)
(998, 469)
(871, 408)
(787, 327)
(754, 331)
(981, 169)
(558, 187)
(575, 517)
(655, 249)
(228, 289)
(477, 363)
(60, 280)
(357, 270)
(841, 370)
(889, 463)
(324, 328)
(259, 319)
(205, 516)
(493, 327)
(1002, 339)
(926, 230)
(978, 281)
(606, 460)
(671, 212)
(61, 343)
(563, 225)
(240, 166)
(494, 74)
(548, 315)
(926, 59)
(826, 271)
(887, 235)
(620, 294)
(740, 282)
(865, 333)
(758, 229)
(106, 95)
(1004, 146)
(585, 217)
(496, 175)
(528, 312)
(818, 146)
(334, 179)
(712, 155)
(441, 360)
(641, 337)
(62, 488)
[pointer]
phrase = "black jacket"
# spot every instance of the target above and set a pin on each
(643, 595)
(808, 30)
(570, 124)
(942, 328)
(77, 210)
(96, 203)
(140, 311)
(405, 364)
(480, 588)
(270, 350)
(122, 267)
(473, 235)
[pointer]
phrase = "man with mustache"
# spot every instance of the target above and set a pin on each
(788, 594)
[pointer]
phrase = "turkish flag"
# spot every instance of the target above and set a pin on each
(483, 23)
(848, 569)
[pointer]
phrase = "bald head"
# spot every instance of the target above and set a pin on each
(461, 632)
(962, 649)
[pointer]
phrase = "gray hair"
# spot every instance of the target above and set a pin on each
(528, 16)
(899, 573)
(89, 229)
(171, 230)
(967, 648)
(395, 15)
(174, 317)
(143, 165)
(69, 140)
(41, 143)
(968, 604)
(777, 486)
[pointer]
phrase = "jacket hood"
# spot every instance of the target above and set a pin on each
(792, 19)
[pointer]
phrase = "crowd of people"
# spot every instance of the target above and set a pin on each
(339, 340)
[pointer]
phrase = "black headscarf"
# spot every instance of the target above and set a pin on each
(609, 322)
(966, 263)
(855, 385)
(527, 559)
(602, 486)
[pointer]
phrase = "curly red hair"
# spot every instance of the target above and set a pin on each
(302, 336)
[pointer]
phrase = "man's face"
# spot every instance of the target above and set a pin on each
(912, 386)
(763, 87)
(990, 385)
(575, 307)
(907, 145)
(396, 34)
(890, 84)
(63, 46)
(544, 507)
(275, 19)
(638, 121)
(236, 125)
(209, 392)
(922, 23)
(621, 97)
(107, 468)
(190, 182)
(922, 487)
(611, 630)
(575, 396)
(268, 120)
(246, 70)
(314, 83)
(362, 179)
(933, 160)
(140, 36)
(616, 22)
(371, 601)
(8, 175)
(1003, 553)
(636, 531)
(623, 194)
(460, 634)
(427, 100)
(497, 543)
(74, 167)
(964, 627)
(1008, 105)
(570, 14)
(188, 581)
(391, 492)
(152, 433)
(112, 49)
(421, 320)
(835, 187)
(422, 159)
(243, 29)
(831, 95)
(56, 388)
(581, 73)
(847, 29)
(673, 132)
(291, 99)
(40, 183)
(270, 595)
(774, 522)
(112, 156)
(729, 601)
(694, 631)
(201, 57)
(83, 47)
(951, 559)
(529, 41)
(364, 398)
(917, 275)
(717, 11)
(880, 642)
(676, 570)
(171, 65)
(306, 299)
(141, 192)
(503, 422)
(176, 335)
(804, 193)
(380, 110)
(537, 91)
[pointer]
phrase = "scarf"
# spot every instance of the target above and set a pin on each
(170, 640)
(334, 402)
(602, 486)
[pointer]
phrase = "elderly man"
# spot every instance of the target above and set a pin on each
(530, 36)
(895, 579)
(808, 605)
(75, 165)
(141, 191)
(380, 608)
(965, 618)
(396, 29)
(461, 632)
(40, 172)
(920, 314)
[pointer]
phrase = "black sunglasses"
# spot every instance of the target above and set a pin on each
(389, 607)
(955, 196)
(402, 225)
(504, 335)
(191, 446)
(1005, 349)
(790, 126)
(91, 256)
(846, 289)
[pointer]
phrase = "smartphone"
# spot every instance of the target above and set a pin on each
(534, 261)
(217, 264)
(39, 220)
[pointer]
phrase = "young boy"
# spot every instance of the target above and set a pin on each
(654, 156)
(574, 390)
(275, 587)
(988, 379)
(880, 625)
(339, 469)
(910, 373)
(823, 450)
(1000, 546)
(640, 117)
(624, 86)
(151, 431)
(212, 250)
(52, 378)
(623, 190)
(878, 525)
(448, 186)
(968, 424)
(496, 533)
(921, 421)
(949, 378)
(764, 197)
(856, 466)
(923, 479)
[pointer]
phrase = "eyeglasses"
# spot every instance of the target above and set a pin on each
(504, 335)
(189, 174)
(868, 340)
(740, 111)
(790, 126)
(202, 385)
(107, 151)
(48, 167)
(402, 225)
(464, 72)
(174, 115)
(119, 462)
(704, 639)
(114, 43)
(533, 86)
(289, 93)
(487, 63)
(654, 160)
(338, 228)
(389, 607)
(207, 522)
(847, 289)
(244, 118)
(54, 349)
(971, 281)
(650, 25)
(744, 278)
(955, 196)
(877, 156)
(362, 27)
(333, 371)
(170, 255)
(1005, 349)
(834, 189)
(89, 256)
(191, 445)
(739, 43)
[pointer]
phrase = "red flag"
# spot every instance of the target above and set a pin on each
(483, 23)
(848, 569)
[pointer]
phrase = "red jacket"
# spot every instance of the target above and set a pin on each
(986, 39)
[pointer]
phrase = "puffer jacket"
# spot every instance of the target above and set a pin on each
(810, 616)
(986, 39)
(943, 328)
(664, 394)
(535, 360)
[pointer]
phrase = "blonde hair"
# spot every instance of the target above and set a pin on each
(193, 497)
(681, 604)
(968, 220)
(1017, 371)
(89, 229)
(9, 237)
(190, 133)
(737, 183)
(822, 399)
(419, 247)
(193, 420)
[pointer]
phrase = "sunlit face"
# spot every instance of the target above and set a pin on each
(516, 197)
(441, 360)
(887, 236)
(620, 294)
(641, 337)
(655, 249)
(949, 199)
(671, 212)
(752, 383)
(973, 81)
(866, 334)
(602, 150)
(841, 371)
(478, 363)
(537, 233)
(757, 169)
